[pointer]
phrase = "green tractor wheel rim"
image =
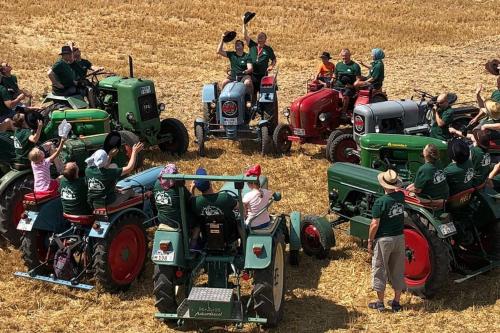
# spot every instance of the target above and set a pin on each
(279, 267)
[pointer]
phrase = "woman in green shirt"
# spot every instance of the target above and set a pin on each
(376, 71)
(24, 139)
(460, 172)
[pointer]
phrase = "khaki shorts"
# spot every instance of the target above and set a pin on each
(388, 262)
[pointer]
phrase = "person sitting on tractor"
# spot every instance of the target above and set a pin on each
(261, 54)
(241, 65)
(345, 74)
(430, 179)
(102, 179)
(24, 139)
(326, 69)
(167, 201)
(375, 77)
(480, 157)
(10, 97)
(482, 104)
(61, 74)
(386, 242)
(460, 172)
(442, 118)
(492, 124)
(255, 201)
(79, 65)
(41, 168)
(73, 191)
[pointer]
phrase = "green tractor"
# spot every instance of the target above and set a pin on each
(231, 253)
(132, 105)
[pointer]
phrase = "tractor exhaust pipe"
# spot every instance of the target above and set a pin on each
(130, 66)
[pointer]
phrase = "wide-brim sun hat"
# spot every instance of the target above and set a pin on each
(492, 109)
(389, 179)
(229, 36)
(248, 16)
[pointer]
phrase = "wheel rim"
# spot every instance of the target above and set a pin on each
(311, 240)
(283, 143)
(340, 151)
(418, 262)
(278, 279)
(17, 212)
(126, 254)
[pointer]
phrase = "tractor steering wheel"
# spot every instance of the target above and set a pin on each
(231, 193)
(424, 94)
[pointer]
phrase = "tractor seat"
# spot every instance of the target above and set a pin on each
(411, 198)
(39, 197)
(86, 220)
(460, 199)
(364, 92)
(133, 201)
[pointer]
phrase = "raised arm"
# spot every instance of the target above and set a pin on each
(138, 147)
(220, 48)
(245, 31)
(35, 137)
(58, 150)
(12, 103)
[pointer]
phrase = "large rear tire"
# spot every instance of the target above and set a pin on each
(269, 285)
(34, 247)
(280, 138)
(200, 138)
(11, 208)
(337, 149)
(164, 288)
(180, 142)
(314, 242)
(119, 258)
(266, 141)
(427, 262)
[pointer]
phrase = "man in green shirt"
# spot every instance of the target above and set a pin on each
(442, 119)
(24, 139)
(62, 76)
(345, 74)
(481, 159)
(10, 97)
(386, 241)
(73, 191)
(460, 172)
(241, 64)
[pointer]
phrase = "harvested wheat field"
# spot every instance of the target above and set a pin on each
(434, 45)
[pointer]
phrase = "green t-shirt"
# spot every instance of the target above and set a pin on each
(347, 72)
(22, 144)
(169, 205)
(390, 210)
(238, 63)
(432, 182)
(442, 133)
(4, 96)
(74, 196)
(459, 176)
(64, 74)
(260, 58)
(496, 96)
(101, 184)
(481, 161)
(81, 68)
(10, 83)
(377, 73)
(214, 204)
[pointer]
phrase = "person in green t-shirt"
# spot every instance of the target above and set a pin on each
(11, 97)
(73, 191)
(24, 139)
(376, 75)
(9, 81)
(346, 73)
(460, 172)
(386, 242)
(102, 178)
(480, 156)
(62, 76)
(430, 180)
(442, 115)
(482, 115)
(241, 65)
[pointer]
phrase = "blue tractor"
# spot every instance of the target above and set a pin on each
(232, 115)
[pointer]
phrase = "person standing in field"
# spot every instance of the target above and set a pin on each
(386, 241)
(346, 73)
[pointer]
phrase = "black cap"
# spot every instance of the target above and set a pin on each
(248, 16)
(66, 50)
(112, 140)
(326, 55)
(229, 36)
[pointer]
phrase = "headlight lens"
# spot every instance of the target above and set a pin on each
(322, 117)
(286, 112)
(161, 107)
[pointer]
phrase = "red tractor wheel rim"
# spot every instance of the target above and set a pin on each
(341, 154)
(17, 213)
(311, 239)
(126, 254)
(418, 262)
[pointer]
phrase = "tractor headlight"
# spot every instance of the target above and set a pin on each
(333, 196)
(161, 107)
(286, 112)
(323, 117)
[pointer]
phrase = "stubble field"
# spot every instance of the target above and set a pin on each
(434, 45)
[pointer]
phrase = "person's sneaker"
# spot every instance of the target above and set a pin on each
(395, 306)
(378, 305)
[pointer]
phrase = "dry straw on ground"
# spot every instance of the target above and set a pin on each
(435, 45)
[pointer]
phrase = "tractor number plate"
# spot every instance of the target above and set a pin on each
(299, 131)
(448, 228)
(25, 224)
(230, 121)
(164, 256)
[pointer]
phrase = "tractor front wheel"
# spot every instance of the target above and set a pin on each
(333, 135)
(164, 288)
(34, 247)
(119, 258)
(265, 141)
(427, 257)
(280, 138)
(269, 285)
(200, 138)
(180, 137)
(315, 242)
(338, 149)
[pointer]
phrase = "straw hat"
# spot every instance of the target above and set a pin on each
(389, 180)
(492, 109)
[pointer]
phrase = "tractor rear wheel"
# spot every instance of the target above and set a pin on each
(200, 138)
(269, 285)
(265, 141)
(180, 136)
(280, 138)
(34, 247)
(337, 149)
(11, 208)
(313, 241)
(427, 258)
(119, 258)
(164, 288)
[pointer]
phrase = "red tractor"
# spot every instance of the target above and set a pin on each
(316, 117)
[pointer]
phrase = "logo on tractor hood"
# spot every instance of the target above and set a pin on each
(145, 90)
(359, 123)
(229, 109)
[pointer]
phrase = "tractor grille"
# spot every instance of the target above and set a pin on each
(147, 107)
(229, 109)
(359, 124)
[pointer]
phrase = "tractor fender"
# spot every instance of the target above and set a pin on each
(295, 231)
(104, 226)
(252, 261)
(174, 255)
(49, 218)
(436, 223)
(488, 197)
(11, 177)
(208, 93)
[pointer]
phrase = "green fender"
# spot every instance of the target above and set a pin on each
(11, 177)
(295, 231)
(436, 222)
(174, 255)
(491, 199)
(252, 261)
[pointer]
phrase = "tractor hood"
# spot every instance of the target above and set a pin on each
(144, 179)
(375, 141)
(115, 82)
(305, 110)
(83, 122)
(232, 91)
(343, 177)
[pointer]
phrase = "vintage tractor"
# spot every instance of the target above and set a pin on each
(462, 232)
(232, 252)
(316, 118)
(110, 244)
(396, 117)
(231, 115)
(131, 102)
(18, 179)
